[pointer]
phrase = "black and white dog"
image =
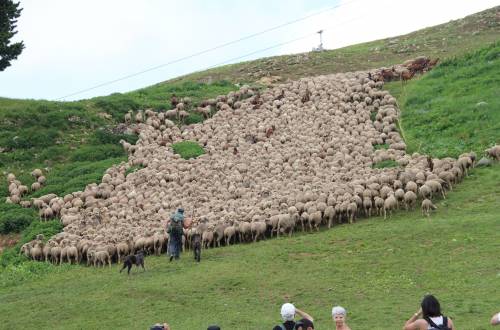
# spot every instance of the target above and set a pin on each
(196, 240)
(134, 259)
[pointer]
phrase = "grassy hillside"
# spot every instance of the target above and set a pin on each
(446, 40)
(455, 107)
(74, 142)
(378, 269)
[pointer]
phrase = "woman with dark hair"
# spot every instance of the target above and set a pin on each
(432, 319)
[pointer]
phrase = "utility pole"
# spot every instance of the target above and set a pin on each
(320, 47)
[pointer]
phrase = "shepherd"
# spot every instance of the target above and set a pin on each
(175, 230)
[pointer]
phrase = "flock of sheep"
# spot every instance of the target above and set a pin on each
(294, 157)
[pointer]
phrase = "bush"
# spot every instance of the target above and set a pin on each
(13, 218)
(116, 105)
(194, 118)
(16, 224)
(105, 136)
(188, 149)
(31, 137)
(11, 256)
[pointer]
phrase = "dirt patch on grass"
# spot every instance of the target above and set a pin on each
(7, 241)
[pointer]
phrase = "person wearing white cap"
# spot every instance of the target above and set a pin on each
(288, 312)
(339, 315)
(495, 320)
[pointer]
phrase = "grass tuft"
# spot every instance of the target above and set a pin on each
(188, 149)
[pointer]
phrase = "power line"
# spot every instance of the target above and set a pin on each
(275, 46)
(207, 50)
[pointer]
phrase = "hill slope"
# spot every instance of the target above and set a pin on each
(378, 269)
(369, 267)
(445, 40)
(454, 108)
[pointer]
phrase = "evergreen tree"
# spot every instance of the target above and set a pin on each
(9, 12)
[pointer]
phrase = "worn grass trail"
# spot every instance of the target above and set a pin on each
(378, 269)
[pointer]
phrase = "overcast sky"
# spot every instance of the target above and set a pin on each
(74, 45)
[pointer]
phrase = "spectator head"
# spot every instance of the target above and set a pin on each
(338, 314)
(180, 210)
(430, 306)
(213, 327)
(287, 312)
(304, 324)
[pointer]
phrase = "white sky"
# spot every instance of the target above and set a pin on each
(73, 45)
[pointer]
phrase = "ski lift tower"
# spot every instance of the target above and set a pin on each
(320, 47)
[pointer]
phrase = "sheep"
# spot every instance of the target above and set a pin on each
(159, 240)
(329, 215)
(367, 206)
(11, 177)
(139, 117)
(493, 152)
(229, 233)
(314, 220)
(435, 187)
(258, 229)
(390, 204)
(410, 199)
(425, 191)
(309, 161)
(36, 173)
(427, 206)
(70, 252)
(352, 208)
(207, 238)
(35, 186)
(285, 224)
(41, 179)
(244, 231)
(128, 117)
(101, 258)
(400, 195)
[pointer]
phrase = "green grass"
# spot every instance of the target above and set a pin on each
(454, 108)
(378, 269)
(75, 141)
(381, 146)
(132, 169)
(188, 149)
(386, 164)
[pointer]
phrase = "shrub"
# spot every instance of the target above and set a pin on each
(188, 149)
(32, 137)
(11, 256)
(9, 224)
(13, 218)
(194, 118)
(106, 136)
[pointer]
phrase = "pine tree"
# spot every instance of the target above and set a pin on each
(9, 12)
